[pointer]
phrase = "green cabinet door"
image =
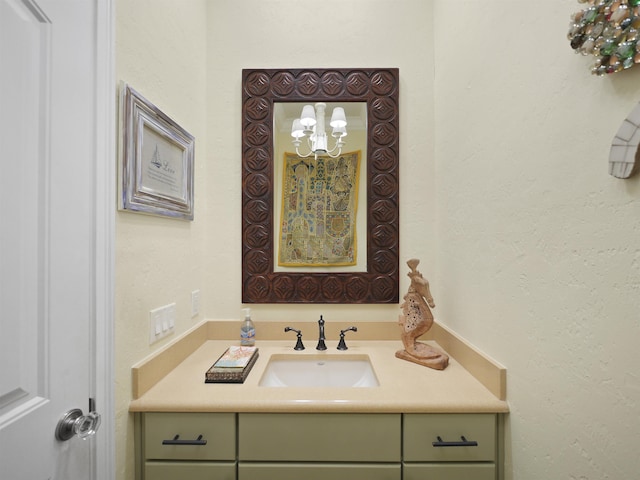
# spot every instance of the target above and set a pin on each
(451, 471)
(190, 471)
(428, 437)
(318, 471)
(189, 436)
(319, 437)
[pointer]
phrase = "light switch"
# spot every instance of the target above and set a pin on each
(155, 325)
(161, 322)
(171, 315)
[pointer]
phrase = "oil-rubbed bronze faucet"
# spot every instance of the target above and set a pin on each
(299, 345)
(321, 345)
(341, 344)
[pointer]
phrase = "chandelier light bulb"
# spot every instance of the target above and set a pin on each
(338, 119)
(308, 117)
(339, 132)
(297, 130)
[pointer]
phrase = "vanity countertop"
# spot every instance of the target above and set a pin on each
(404, 386)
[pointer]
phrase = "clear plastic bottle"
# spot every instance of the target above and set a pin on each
(247, 330)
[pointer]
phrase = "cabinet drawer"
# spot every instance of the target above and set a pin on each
(318, 471)
(450, 471)
(217, 430)
(190, 471)
(422, 430)
(319, 437)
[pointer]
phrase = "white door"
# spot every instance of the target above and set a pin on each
(54, 272)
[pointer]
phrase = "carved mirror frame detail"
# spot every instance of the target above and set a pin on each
(379, 89)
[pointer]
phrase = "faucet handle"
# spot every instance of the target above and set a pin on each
(299, 345)
(341, 344)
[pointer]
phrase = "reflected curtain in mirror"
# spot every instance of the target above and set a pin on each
(319, 206)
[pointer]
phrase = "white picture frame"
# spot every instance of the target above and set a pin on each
(156, 171)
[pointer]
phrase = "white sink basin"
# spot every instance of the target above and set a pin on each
(290, 370)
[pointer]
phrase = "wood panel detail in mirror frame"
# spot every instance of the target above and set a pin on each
(379, 89)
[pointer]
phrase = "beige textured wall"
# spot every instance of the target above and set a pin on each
(531, 247)
(538, 248)
(286, 34)
(161, 52)
(187, 57)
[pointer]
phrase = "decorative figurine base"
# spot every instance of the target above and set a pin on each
(416, 320)
(427, 356)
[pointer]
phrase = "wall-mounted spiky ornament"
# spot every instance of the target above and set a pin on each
(609, 30)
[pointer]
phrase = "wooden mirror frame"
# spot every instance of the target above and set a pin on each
(379, 89)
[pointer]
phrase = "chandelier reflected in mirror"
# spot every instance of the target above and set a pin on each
(311, 125)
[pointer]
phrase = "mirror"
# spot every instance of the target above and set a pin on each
(344, 162)
(378, 280)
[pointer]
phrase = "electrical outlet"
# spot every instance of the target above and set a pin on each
(195, 303)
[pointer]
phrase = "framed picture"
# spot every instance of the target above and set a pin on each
(157, 160)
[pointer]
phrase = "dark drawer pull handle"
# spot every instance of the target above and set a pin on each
(176, 441)
(463, 443)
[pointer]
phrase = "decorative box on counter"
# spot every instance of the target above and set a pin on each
(233, 366)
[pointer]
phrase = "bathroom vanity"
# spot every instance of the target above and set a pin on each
(417, 423)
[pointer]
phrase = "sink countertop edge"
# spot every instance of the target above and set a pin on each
(404, 387)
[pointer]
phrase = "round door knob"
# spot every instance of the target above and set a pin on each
(75, 423)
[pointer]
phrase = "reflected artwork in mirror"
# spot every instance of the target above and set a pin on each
(378, 280)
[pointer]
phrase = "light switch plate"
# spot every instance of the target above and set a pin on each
(195, 303)
(162, 322)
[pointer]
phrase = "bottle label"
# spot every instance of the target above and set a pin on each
(248, 337)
